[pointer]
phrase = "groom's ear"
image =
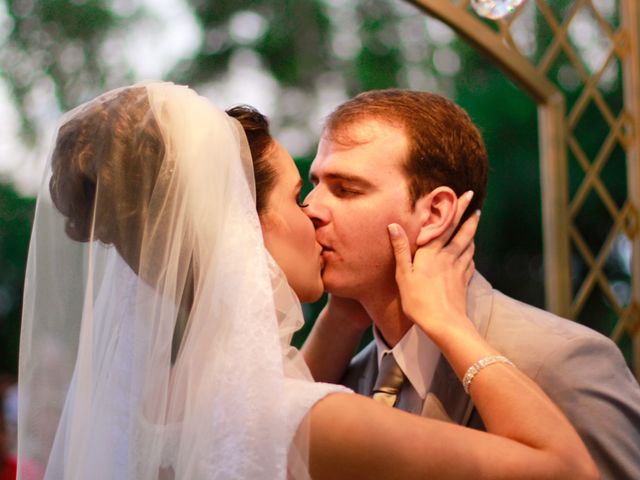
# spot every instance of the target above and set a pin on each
(436, 210)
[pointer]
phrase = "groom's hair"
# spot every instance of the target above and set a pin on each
(445, 147)
(256, 128)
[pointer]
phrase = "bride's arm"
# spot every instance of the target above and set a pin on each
(334, 338)
(355, 437)
(528, 436)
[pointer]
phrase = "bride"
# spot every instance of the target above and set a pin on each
(156, 325)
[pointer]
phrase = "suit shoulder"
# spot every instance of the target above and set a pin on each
(534, 338)
(527, 318)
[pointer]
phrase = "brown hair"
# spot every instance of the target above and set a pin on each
(116, 145)
(256, 128)
(113, 144)
(445, 147)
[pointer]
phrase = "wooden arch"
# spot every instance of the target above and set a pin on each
(561, 235)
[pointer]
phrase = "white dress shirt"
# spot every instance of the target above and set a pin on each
(417, 356)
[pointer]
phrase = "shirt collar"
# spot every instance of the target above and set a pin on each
(416, 355)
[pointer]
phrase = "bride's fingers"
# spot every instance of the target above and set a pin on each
(463, 203)
(468, 273)
(466, 257)
(401, 250)
(464, 236)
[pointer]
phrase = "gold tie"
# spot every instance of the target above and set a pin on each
(389, 381)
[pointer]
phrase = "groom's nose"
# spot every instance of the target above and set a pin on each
(316, 210)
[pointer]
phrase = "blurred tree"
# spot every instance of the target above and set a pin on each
(59, 43)
(16, 215)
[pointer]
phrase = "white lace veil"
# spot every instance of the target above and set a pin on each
(156, 326)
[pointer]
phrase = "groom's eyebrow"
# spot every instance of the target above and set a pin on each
(342, 177)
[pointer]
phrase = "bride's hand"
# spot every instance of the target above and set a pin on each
(433, 286)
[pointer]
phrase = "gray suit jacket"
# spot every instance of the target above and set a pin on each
(580, 369)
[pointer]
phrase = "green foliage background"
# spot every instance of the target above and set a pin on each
(298, 49)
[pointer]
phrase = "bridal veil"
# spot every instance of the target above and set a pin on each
(156, 327)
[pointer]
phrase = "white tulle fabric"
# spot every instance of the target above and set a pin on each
(100, 396)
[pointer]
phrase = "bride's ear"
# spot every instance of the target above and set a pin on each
(436, 211)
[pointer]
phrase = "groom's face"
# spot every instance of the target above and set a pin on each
(359, 188)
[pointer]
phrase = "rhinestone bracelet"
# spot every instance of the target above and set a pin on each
(479, 365)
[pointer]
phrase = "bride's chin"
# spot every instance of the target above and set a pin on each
(312, 293)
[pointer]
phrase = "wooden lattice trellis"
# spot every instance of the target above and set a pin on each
(575, 263)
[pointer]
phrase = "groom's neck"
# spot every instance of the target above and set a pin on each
(385, 310)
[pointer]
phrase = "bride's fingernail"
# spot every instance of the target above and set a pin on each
(477, 212)
(469, 195)
(393, 230)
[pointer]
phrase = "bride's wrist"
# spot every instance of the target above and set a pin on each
(444, 328)
(463, 348)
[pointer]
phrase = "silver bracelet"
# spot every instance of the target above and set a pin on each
(479, 365)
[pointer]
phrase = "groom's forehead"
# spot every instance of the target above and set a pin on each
(360, 131)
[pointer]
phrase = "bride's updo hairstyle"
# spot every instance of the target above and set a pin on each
(256, 128)
(113, 144)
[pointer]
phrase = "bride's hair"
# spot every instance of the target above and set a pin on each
(256, 128)
(114, 144)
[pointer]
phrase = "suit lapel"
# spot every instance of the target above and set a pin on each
(370, 373)
(446, 399)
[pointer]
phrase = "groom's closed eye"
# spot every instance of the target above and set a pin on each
(341, 190)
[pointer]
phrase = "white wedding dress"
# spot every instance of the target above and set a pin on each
(112, 384)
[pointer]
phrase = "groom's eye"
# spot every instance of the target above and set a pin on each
(342, 191)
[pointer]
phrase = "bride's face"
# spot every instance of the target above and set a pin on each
(288, 232)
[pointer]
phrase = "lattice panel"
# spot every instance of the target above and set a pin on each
(583, 49)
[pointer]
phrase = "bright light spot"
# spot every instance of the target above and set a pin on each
(6, 22)
(591, 42)
(346, 44)
(495, 9)
(606, 7)
(22, 8)
(215, 39)
(568, 77)
(622, 291)
(420, 79)
(622, 252)
(247, 27)
(292, 101)
(123, 8)
(440, 33)
(296, 140)
(446, 61)
(155, 45)
(413, 38)
(332, 91)
(523, 30)
(246, 82)
(609, 76)
(72, 58)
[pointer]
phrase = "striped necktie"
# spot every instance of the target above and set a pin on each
(389, 381)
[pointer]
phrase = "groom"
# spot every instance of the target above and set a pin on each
(380, 159)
